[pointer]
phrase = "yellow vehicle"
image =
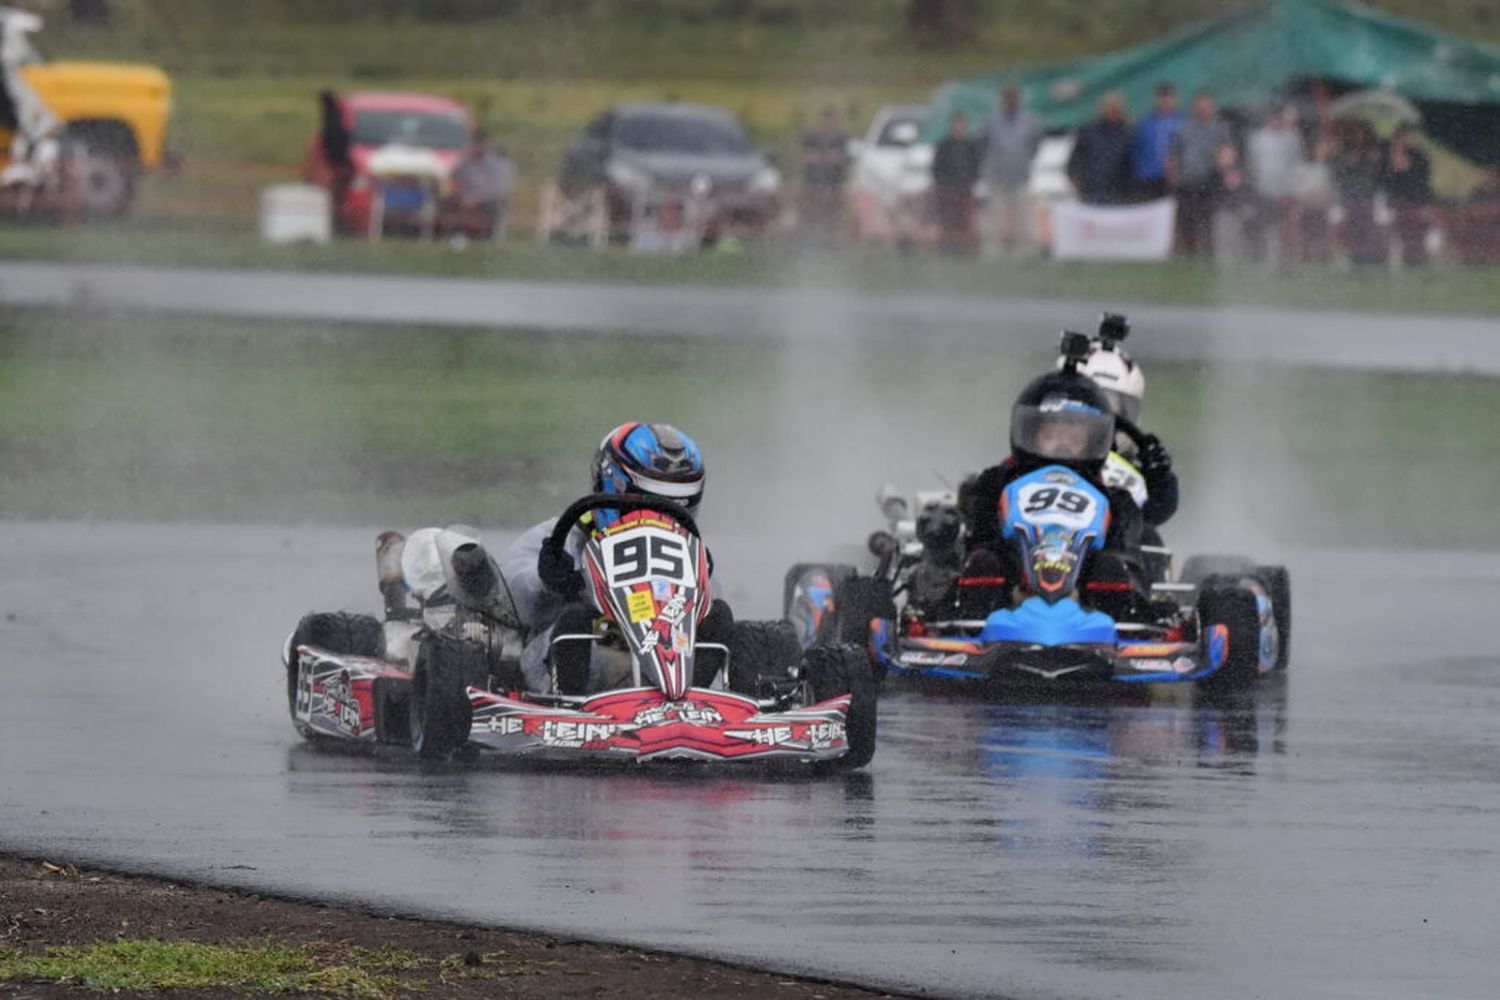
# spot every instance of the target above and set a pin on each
(109, 120)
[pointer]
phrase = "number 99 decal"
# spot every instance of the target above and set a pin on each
(647, 553)
(1051, 504)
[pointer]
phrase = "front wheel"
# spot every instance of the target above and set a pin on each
(844, 668)
(333, 632)
(1278, 584)
(441, 714)
(1229, 627)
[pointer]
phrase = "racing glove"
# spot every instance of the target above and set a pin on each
(556, 569)
(1154, 460)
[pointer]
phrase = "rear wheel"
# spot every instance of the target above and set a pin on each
(335, 632)
(761, 653)
(441, 714)
(1229, 626)
(1278, 583)
(844, 668)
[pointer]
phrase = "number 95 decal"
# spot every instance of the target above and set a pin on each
(647, 553)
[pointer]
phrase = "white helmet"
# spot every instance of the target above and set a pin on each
(1122, 380)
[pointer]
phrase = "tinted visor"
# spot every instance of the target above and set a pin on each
(1071, 435)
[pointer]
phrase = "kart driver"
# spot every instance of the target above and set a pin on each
(634, 458)
(1061, 418)
(1143, 469)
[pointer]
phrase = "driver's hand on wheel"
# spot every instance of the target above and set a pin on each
(1153, 456)
(557, 571)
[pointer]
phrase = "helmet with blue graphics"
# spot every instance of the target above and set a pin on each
(652, 459)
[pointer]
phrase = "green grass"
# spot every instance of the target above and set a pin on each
(184, 419)
(150, 965)
(1475, 291)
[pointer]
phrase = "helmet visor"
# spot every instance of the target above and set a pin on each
(1064, 435)
(1124, 404)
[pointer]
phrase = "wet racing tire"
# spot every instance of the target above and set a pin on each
(335, 632)
(844, 668)
(441, 714)
(1278, 584)
(761, 653)
(858, 600)
(1222, 601)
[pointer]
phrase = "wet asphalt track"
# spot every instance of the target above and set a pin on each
(1335, 836)
(804, 316)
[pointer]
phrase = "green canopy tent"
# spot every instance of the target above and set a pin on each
(1261, 53)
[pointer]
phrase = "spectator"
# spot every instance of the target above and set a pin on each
(1408, 185)
(335, 141)
(1310, 235)
(1274, 155)
(1191, 167)
(1358, 166)
(955, 171)
(1234, 202)
(1010, 145)
(825, 166)
(1153, 143)
(481, 186)
(1099, 166)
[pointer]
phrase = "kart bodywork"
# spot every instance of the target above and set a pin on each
(1066, 619)
(649, 579)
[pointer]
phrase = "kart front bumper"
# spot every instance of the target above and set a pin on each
(1034, 664)
(641, 724)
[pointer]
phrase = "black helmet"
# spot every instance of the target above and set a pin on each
(1062, 418)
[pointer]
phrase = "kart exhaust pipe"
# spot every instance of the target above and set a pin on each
(473, 579)
(892, 503)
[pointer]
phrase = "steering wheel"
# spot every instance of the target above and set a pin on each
(625, 503)
(553, 565)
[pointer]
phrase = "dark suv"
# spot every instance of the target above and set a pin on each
(647, 154)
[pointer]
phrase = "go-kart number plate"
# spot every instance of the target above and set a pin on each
(647, 554)
(1051, 503)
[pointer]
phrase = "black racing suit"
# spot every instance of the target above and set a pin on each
(991, 556)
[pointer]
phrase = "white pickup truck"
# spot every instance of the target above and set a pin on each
(891, 176)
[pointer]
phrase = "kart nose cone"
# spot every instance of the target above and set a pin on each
(1043, 624)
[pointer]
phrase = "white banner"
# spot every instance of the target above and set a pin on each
(1124, 232)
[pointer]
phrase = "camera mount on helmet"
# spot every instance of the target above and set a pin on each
(1113, 328)
(1074, 350)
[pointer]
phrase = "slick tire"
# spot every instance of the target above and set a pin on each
(843, 668)
(761, 652)
(1278, 584)
(441, 715)
(1222, 601)
(336, 632)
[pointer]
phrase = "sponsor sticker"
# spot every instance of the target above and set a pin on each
(641, 606)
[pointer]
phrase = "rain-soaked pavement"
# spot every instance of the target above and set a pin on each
(1333, 836)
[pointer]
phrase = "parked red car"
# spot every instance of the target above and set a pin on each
(375, 119)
